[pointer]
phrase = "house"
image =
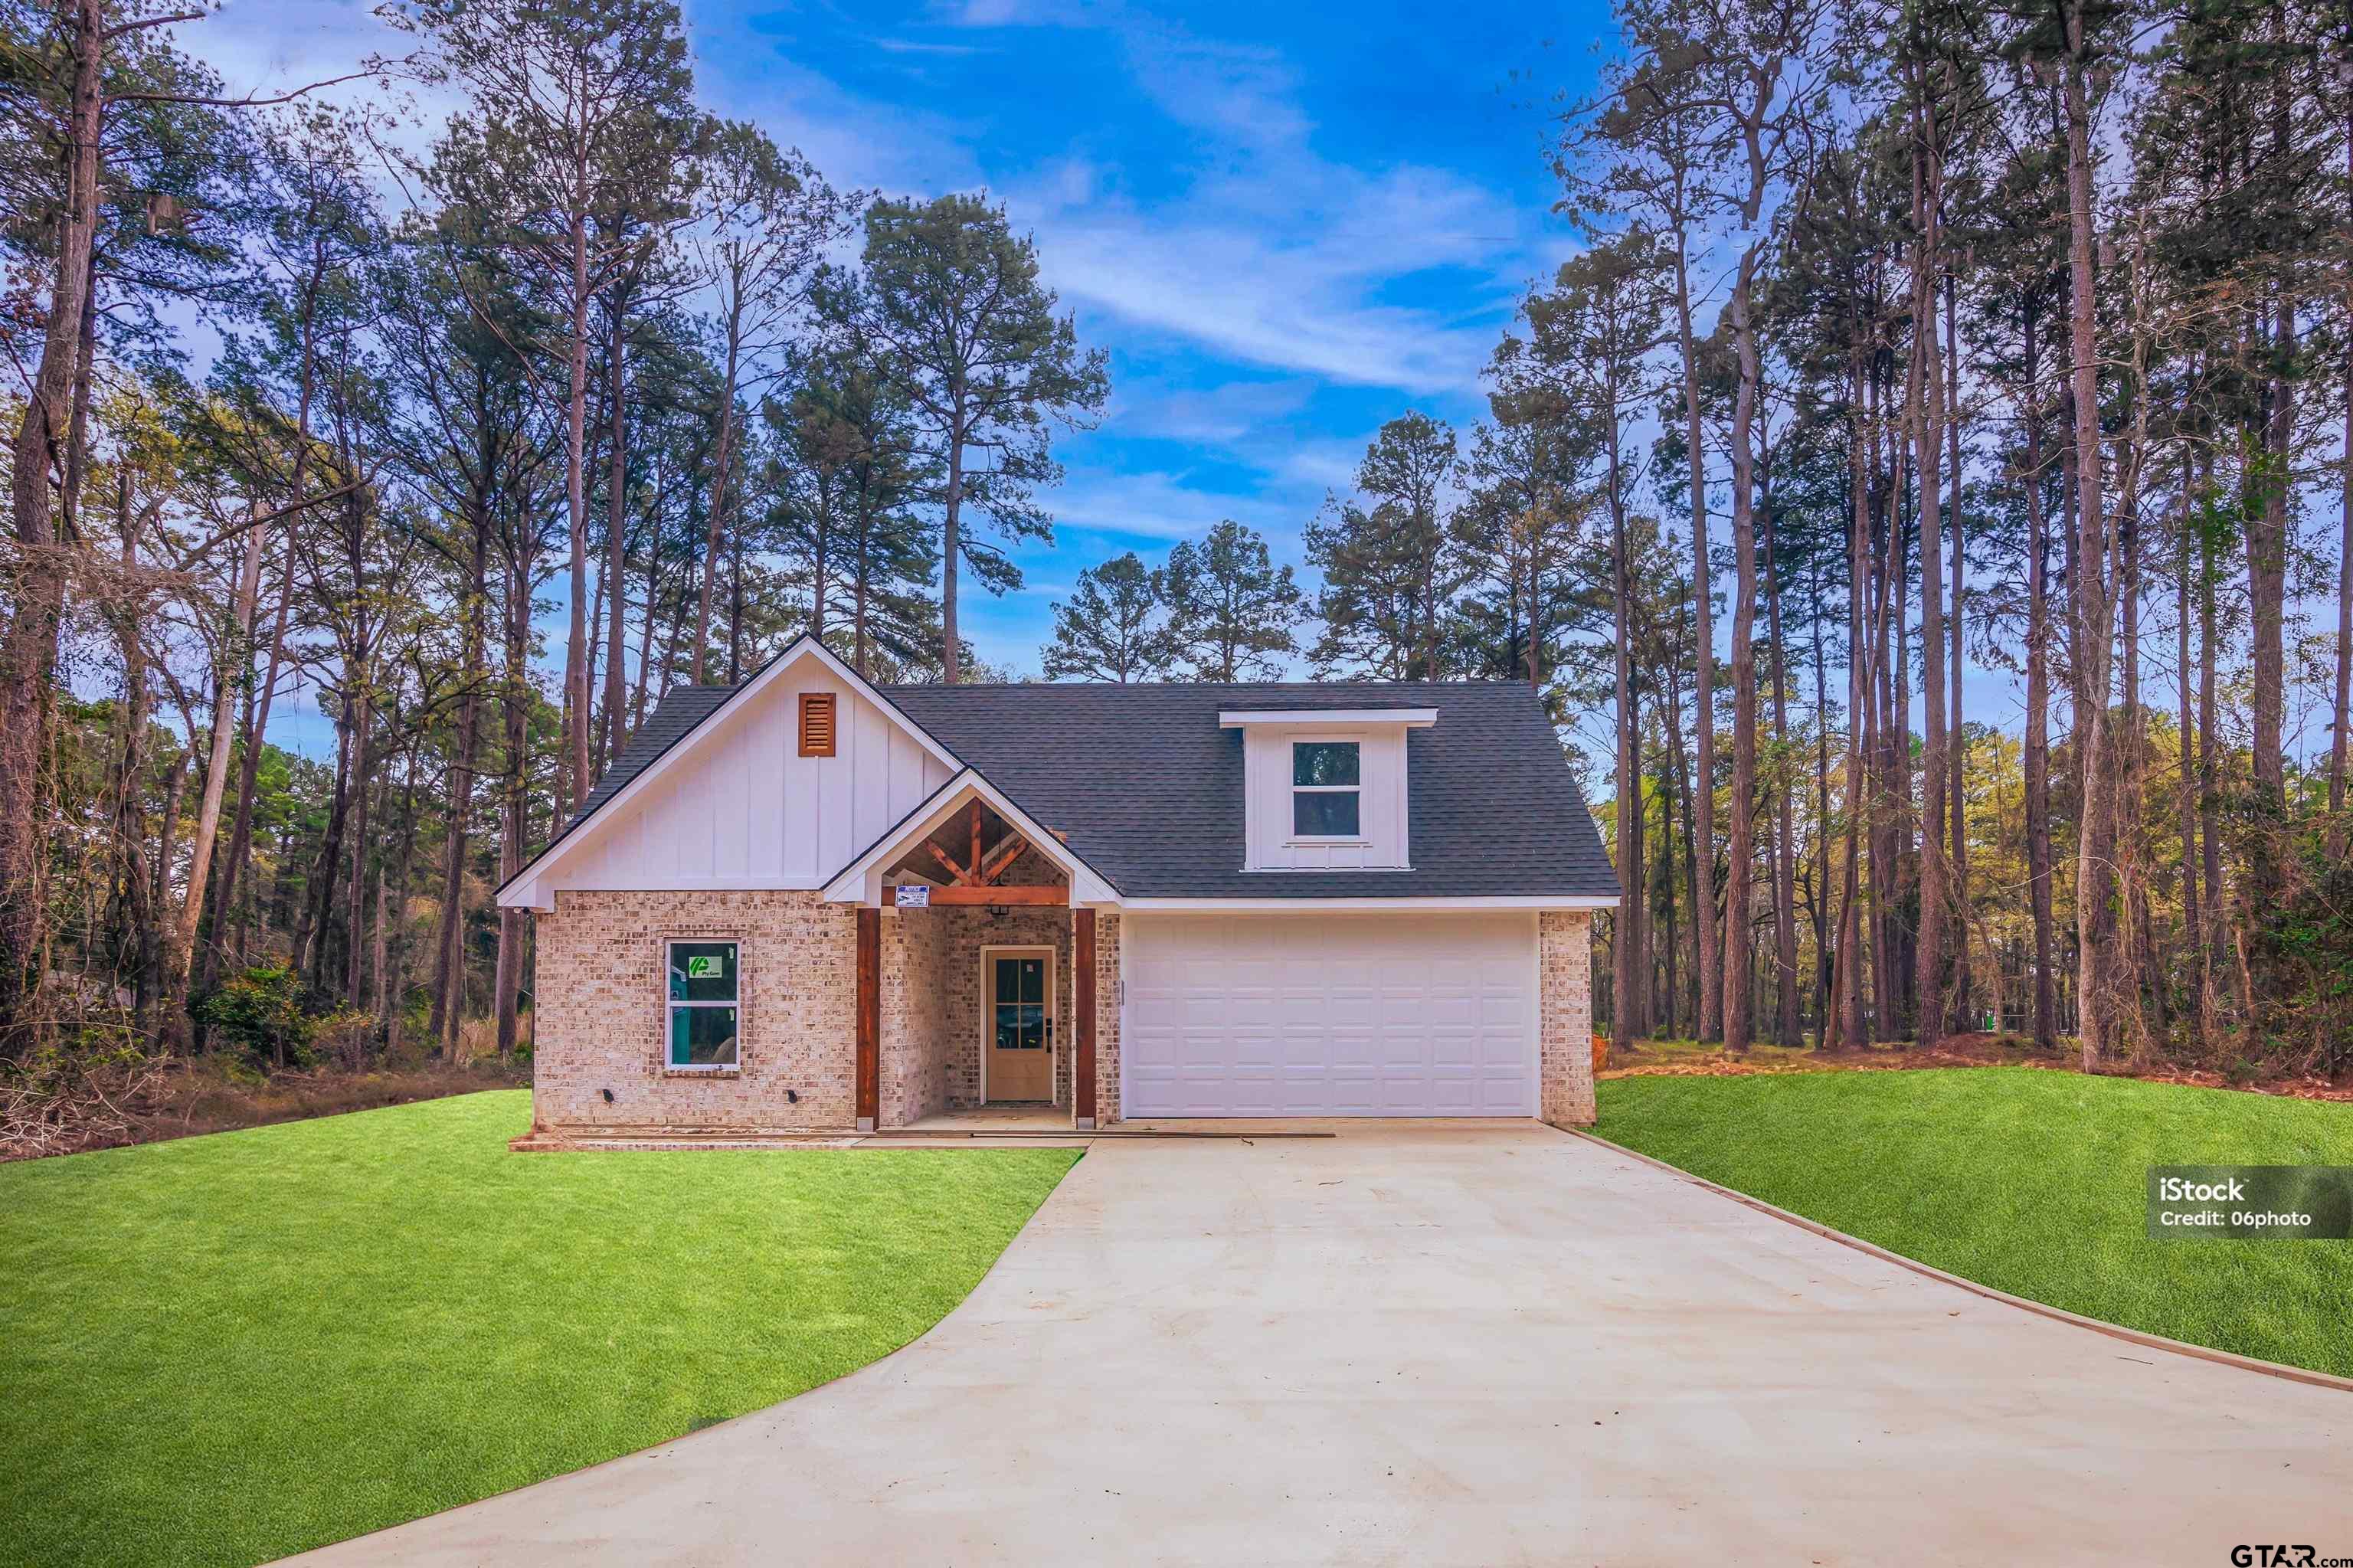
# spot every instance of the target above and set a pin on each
(812, 903)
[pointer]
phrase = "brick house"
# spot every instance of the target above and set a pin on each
(808, 903)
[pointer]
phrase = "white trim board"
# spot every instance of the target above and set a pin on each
(1413, 718)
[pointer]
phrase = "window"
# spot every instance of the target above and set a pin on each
(704, 978)
(1019, 1006)
(817, 723)
(1325, 789)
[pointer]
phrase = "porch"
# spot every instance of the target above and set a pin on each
(977, 977)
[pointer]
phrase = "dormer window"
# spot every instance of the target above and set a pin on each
(1326, 789)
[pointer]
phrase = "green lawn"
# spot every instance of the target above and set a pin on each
(2032, 1182)
(224, 1349)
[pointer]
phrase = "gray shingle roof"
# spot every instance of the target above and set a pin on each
(680, 709)
(1150, 789)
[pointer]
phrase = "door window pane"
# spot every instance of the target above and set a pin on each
(1017, 1019)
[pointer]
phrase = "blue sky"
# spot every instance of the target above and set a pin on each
(1286, 223)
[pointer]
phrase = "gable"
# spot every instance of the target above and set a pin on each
(724, 794)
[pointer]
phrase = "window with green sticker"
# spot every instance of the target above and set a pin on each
(703, 1003)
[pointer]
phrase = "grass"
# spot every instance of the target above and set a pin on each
(220, 1349)
(2032, 1182)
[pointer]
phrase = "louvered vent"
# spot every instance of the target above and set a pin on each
(817, 723)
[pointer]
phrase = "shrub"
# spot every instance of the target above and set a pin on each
(260, 1011)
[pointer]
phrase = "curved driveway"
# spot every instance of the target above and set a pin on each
(1419, 1344)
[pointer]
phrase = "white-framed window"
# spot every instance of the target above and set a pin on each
(1326, 789)
(705, 1005)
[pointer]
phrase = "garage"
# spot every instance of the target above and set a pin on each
(1300, 1014)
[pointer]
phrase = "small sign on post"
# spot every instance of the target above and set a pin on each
(912, 895)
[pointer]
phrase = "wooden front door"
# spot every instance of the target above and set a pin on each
(1017, 1022)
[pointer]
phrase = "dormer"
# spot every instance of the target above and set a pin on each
(1324, 789)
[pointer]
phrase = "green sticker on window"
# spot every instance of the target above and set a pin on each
(704, 969)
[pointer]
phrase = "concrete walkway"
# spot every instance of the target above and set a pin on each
(1418, 1345)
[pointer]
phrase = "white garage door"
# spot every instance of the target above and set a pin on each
(1329, 1015)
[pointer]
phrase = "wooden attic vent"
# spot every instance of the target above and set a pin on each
(817, 723)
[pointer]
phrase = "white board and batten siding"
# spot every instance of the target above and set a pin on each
(744, 810)
(1383, 844)
(1320, 1014)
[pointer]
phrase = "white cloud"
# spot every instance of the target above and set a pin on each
(1164, 506)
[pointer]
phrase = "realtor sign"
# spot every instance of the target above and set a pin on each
(912, 895)
(2250, 1202)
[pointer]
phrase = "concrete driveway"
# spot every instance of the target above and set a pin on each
(1419, 1344)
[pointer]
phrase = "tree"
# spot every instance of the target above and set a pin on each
(582, 119)
(1639, 152)
(1113, 627)
(965, 330)
(1389, 569)
(768, 216)
(853, 437)
(101, 95)
(1233, 614)
(1585, 361)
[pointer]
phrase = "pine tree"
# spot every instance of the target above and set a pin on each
(1233, 614)
(952, 300)
(1390, 569)
(1113, 627)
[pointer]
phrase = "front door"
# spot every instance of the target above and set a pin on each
(1017, 1002)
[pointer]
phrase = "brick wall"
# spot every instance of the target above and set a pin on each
(948, 1027)
(602, 1014)
(1565, 1006)
(1106, 1018)
(914, 1027)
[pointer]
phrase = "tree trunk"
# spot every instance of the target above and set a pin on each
(1925, 396)
(1702, 799)
(1740, 851)
(2094, 616)
(575, 495)
(1847, 983)
(236, 654)
(616, 535)
(1629, 970)
(951, 547)
(448, 945)
(508, 981)
(28, 650)
(1788, 1028)
(719, 476)
(1958, 748)
(2038, 707)
(241, 839)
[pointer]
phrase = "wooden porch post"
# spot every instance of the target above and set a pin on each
(870, 1017)
(1082, 1071)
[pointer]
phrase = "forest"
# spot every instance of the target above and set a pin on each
(1923, 501)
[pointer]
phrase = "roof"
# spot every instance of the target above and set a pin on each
(1149, 787)
(681, 708)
